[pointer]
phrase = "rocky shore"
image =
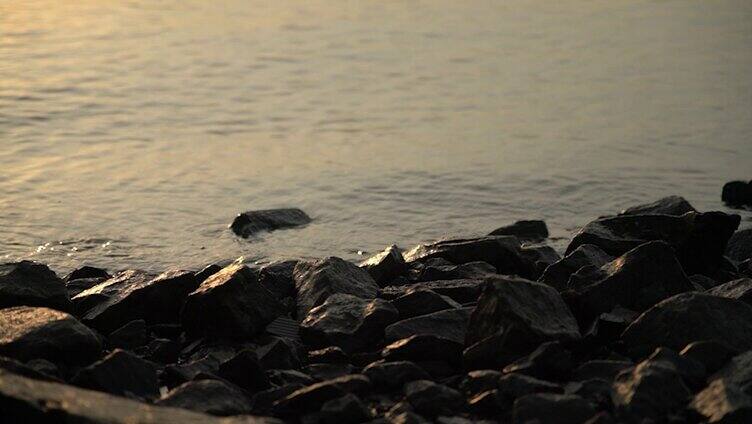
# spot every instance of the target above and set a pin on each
(647, 318)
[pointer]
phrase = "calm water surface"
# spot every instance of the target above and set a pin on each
(131, 132)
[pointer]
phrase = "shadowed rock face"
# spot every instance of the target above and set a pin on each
(29, 283)
(385, 266)
(737, 193)
(669, 205)
(557, 274)
(251, 222)
(213, 397)
(120, 373)
(529, 230)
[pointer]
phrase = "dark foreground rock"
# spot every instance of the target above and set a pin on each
(737, 193)
(739, 247)
(29, 283)
(120, 373)
(251, 222)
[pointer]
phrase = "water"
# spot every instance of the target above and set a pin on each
(133, 131)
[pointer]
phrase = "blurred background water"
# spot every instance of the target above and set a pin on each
(132, 131)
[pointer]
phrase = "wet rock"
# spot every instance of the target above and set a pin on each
(439, 269)
(537, 310)
(650, 389)
(244, 371)
(740, 289)
(550, 408)
(385, 266)
(28, 283)
(557, 274)
(480, 381)
(712, 355)
(448, 324)
(120, 373)
(315, 281)
(530, 230)
(251, 222)
(34, 332)
(328, 355)
(423, 348)
(231, 303)
(404, 413)
(23, 400)
(669, 205)
(549, 361)
(461, 291)
(129, 336)
(603, 369)
(739, 247)
(348, 409)
(722, 402)
(636, 280)
(213, 397)
(433, 399)
(86, 272)
(347, 321)
(737, 193)
(688, 317)
(132, 295)
(699, 239)
(394, 374)
(503, 252)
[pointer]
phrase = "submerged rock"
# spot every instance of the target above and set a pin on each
(29, 283)
(669, 205)
(251, 222)
(531, 230)
(385, 266)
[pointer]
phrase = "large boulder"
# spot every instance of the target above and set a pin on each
(636, 280)
(132, 295)
(449, 324)
(316, 280)
(385, 266)
(739, 247)
(347, 321)
(669, 205)
(526, 230)
(213, 397)
(230, 303)
(33, 332)
(737, 193)
(557, 274)
(29, 283)
(503, 252)
(699, 239)
(120, 373)
(687, 317)
(251, 222)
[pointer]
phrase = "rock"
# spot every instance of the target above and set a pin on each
(422, 302)
(23, 400)
(541, 256)
(310, 398)
(163, 351)
(687, 317)
(207, 272)
(385, 266)
(738, 371)
(403, 413)
(699, 239)
(533, 230)
(347, 321)
(551, 408)
(129, 336)
(692, 372)
(739, 246)
(277, 277)
(132, 295)
(29, 283)
(702, 282)
(595, 390)
(712, 355)
(288, 377)
(636, 280)
(244, 371)
(328, 371)
(394, 374)
(503, 252)
(603, 369)
(230, 303)
(722, 402)
(549, 361)
(75, 287)
(423, 348)
(263, 401)
(328, 355)
(650, 389)
(213, 397)
(557, 274)
(479, 381)
(26, 370)
(448, 324)
(34, 332)
(485, 403)
(86, 272)
(315, 281)
(348, 409)
(280, 353)
(120, 373)
(433, 399)
(669, 205)
(437, 269)
(251, 222)
(461, 291)
(737, 193)
(537, 310)
(512, 386)
(609, 326)
(740, 289)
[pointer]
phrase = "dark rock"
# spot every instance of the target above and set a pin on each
(328, 371)
(512, 386)
(403, 413)
(174, 375)
(669, 205)
(207, 272)
(480, 381)
(385, 266)
(348, 409)
(448, 324)
(423, 348)
(533, 230)
(251, 222)
(285, 328)
(394, 374)
(279, 353)
(433, 399)
(723, 402)
(603, 369)
(557, 274)
(609, 326)
(311, 398)
(503, 252)
(328, 355)
(461, 291)
(277, 277)
(486, 403)
(131, 295)
(347, 321)
(650, 389)
(737, 193)
(86, 272)
(33, 332)
(551, 408)
(23, 400)
(688, 317)
(244, 371)
(541, 256)
(28, 283)
(739, 247)
(711, 354)
(120, 373)
(129, 336)
(77, 286)
(692, 372)
(213, 397)
(738, 371)
(163, 351)
(263, 401)
(288, 377)
(26, 370)
(315, 281)
(702, 282)
(549, 361)
(595, 390)
(699, 239)
(636, 280)
(432, 271)
(740, 289)
(500, 349)
(230, 303)
(537, 310)
(745, 268)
